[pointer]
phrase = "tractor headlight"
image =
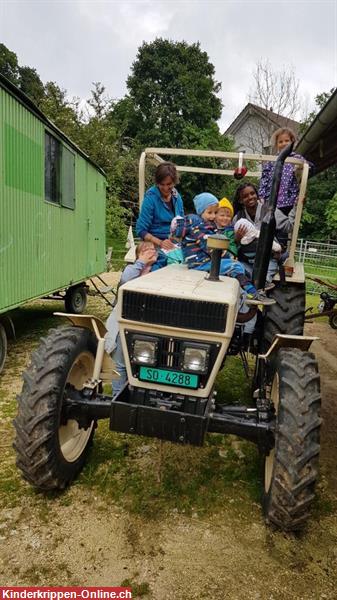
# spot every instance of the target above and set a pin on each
(195, 358)
(144, 350)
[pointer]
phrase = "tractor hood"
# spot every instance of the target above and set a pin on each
(177, 281)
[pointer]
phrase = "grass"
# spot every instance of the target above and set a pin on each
(145, 476)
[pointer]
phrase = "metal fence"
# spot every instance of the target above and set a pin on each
(320, 260)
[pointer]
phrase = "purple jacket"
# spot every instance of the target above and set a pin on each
(289, 186)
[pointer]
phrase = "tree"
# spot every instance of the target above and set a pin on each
(9, 64)
(172, 94)
(272, 90)
(277, 91)
(319, 218)
(320, 101)
(30, 83)
(64, 113)
(331, 217)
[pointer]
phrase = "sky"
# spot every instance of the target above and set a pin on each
(75, 43)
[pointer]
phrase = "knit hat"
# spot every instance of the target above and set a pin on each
(225, 203)
(202, 201)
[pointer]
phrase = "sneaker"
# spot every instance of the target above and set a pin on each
(260, 298)
(269, 286)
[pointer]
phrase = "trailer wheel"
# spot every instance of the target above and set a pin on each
(75, 299)
(287, 315)
(333, 321)
(3, 346)
(51, 452)
(291, 468)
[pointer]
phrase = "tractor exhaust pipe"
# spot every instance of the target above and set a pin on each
(217, 244)
(268, 225)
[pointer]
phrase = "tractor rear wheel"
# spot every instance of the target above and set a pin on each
(51, 451)
(287, 315)
(291, 468)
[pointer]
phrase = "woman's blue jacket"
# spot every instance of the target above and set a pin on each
(155, 216)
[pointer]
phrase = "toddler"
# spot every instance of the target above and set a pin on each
(223, 220)
(289, 187)
(193, 230)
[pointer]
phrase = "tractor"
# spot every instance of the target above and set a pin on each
(177, 326)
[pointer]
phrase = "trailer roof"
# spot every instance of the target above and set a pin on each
(31, 106)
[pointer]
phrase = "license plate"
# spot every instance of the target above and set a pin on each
(168, 377)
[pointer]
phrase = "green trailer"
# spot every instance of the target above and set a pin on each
(52, 211)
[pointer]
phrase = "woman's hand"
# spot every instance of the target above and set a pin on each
(240, 233)
(167, 245)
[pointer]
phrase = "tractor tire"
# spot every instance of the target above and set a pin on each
(332, 321)
(3, 346)
(291, 468)
(75, 299)
(287, 315)
(50, 452)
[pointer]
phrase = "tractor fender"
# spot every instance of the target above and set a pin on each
(282, 340)
(104, 368)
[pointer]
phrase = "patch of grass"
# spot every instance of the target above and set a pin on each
(150, 478)
(38, 574)
(232, 385)
(139, 590)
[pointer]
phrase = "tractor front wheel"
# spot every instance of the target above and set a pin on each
(51, 450)
(291, 468)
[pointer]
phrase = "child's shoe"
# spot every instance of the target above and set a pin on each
(260, 298)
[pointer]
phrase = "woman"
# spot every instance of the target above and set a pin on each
(161, 204)
(247, 205)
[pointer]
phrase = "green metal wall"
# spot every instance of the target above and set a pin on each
(43, 246)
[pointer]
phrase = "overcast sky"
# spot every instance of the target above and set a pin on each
(77, 42)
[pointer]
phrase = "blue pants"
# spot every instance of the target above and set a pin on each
(272, 270)
(118, 357)
(228, 267)
(232, 268)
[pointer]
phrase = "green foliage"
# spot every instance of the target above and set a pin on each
(172, 95)
(331, 216)
(320, 101)
(31, 84)
(315, 221)
(116, 218)
(9, 66)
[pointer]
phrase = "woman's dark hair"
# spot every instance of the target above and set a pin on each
(237, 204)
(166, 169)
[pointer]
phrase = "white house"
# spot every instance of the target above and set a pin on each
(254, 126)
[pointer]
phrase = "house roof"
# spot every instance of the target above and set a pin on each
(319, 141)
(31, 106)
(269, 115)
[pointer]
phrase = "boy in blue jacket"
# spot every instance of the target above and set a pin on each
(194, 230)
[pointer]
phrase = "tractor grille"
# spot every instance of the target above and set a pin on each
(174, 312)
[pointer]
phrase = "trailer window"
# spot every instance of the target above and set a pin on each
(52, 169)
(67, 178)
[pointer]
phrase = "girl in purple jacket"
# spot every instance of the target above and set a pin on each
(289, 186)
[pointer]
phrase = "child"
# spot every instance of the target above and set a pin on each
(146, 256)
(194, 230)
(289, 187)
(223, 220)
